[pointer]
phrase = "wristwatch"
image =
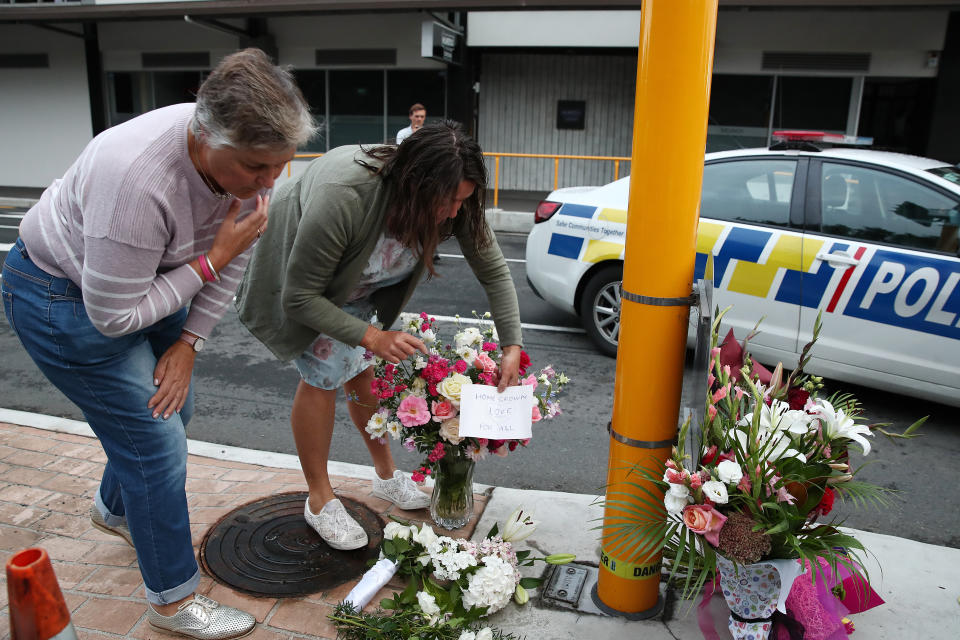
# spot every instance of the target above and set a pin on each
(194, 341)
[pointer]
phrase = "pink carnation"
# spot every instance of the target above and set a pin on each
(460, 366)
(489, 346)
(413, 411)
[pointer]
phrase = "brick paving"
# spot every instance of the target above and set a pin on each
(47, 484)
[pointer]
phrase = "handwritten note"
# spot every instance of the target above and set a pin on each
(484, 413)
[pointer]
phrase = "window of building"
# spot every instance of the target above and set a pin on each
(739, 111)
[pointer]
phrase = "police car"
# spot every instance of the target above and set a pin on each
(868, 238)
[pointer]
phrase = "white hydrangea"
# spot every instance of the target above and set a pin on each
(490, 586)
(449, 559)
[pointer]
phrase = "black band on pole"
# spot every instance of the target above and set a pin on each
(657, 302)
(640, 444)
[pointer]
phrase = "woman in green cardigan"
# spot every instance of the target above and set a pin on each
(347, 244)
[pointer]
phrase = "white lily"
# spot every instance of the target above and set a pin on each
(837, 424)
(518, 526)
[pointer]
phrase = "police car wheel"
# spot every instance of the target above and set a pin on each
(600, 308)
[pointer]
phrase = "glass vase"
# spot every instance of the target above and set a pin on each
(451, 505)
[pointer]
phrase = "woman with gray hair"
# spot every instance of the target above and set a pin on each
(122, 270)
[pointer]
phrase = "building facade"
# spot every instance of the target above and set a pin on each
(544, 81)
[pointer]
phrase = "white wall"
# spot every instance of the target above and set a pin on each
(122, 43)
(46, 112)
(553, 28)
(898, 41)
(298, 37)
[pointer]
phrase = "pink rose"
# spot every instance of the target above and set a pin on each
(705, 520)
(413, 411)
(483, 361)
(535, 416)
(530, 381)
(443, 410)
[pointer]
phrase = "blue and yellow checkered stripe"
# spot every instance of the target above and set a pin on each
(756, 256)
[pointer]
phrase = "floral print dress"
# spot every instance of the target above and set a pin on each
(327, 363)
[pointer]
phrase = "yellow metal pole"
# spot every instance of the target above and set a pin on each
(556, 173)
(669, 139)
(496, 181)
(616, 169)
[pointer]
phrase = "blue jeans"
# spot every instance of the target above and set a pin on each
(111, 380)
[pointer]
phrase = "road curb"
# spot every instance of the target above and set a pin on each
(510, 221)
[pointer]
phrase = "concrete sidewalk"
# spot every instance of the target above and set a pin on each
(50, 467)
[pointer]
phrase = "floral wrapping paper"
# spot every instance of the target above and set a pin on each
(755, 591)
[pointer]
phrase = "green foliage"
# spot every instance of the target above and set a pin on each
(400, 621)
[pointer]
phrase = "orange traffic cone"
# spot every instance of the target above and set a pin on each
(37, 608)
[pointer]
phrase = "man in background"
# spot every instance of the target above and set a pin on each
(418, 113)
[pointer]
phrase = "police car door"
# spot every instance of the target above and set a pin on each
(886, 276)
(750, 214)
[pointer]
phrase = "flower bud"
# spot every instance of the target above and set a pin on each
(520, 595)
(560, 558)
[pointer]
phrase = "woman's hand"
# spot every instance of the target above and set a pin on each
(233, 237)
(172, 378)
(509, 367)
(393, 346)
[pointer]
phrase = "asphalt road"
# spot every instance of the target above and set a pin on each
(244, 395)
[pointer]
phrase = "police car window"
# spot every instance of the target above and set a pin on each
(872, 205)
(752, 191)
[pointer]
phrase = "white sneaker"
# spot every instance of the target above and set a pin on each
(401, 491)
(337, 528)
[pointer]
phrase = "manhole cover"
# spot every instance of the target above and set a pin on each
(266, 548)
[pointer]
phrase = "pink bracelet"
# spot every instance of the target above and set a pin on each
(216, 276)
(205, 268)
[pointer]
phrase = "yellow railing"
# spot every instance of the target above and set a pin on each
(556, 166)
(496, 155)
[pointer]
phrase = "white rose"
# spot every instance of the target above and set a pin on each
(485, 634)
(467, 635)
(425, 536)
(450, 430)
(396, 530)
(716, 491)
(795, 421)
(674, 504)
(729, 472)
(428, 604)
(429, 336)
(679, 490)
(450, 387)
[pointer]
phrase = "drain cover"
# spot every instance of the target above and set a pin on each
(266, 548)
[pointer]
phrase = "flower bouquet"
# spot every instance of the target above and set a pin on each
(452, 583)
(419, 402)
(750, 508)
